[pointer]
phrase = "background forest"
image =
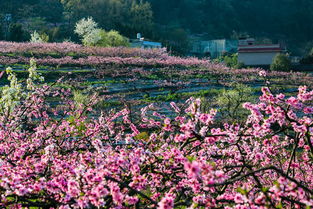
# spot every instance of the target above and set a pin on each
(175, 23)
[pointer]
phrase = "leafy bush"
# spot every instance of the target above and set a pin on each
(112, 39)
(231, 61)
(281, 62)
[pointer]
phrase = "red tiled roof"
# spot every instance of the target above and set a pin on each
(260, 48)
(244, 45)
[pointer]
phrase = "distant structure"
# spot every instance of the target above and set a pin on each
(214, 48)
(252, 54)
(141, 43)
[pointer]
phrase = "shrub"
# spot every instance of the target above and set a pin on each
(39, 38)
(281, 62)
(231, 61)
(112, 39)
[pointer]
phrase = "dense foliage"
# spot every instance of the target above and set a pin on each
(91, 35)
(170, 21)
(58, 156)
(281, 62)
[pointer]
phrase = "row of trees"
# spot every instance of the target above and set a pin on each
(169, 21)
(57, 18)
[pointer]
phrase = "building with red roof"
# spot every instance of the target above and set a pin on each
(252, 54)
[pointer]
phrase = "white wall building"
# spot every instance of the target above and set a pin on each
(257, 54)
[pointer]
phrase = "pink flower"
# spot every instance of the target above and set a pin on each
(73, 188)
(262, 73)
(193, 169)
(239, 198)
(116, 194)
(167, 202)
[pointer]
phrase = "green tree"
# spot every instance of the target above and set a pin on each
(17, 33)
(51, 10)
(85, 26)
(231, 61)
(127, 16)
(176, 39)
(112, 39)
(281, 62)
(141, 17)
(35, 24)
(1, 31)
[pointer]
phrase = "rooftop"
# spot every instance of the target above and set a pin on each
(248, 45)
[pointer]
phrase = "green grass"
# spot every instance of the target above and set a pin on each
(184, 95)
(89, 83)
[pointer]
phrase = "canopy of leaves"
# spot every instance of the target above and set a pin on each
(210, 19)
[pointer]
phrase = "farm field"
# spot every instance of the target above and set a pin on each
(137, 77)
(92, 127)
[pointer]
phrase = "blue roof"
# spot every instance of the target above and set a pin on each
(150, 43)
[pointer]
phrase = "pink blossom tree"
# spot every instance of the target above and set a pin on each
(58, 157)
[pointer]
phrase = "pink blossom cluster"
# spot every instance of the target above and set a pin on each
(57, 157)
(69, 54)
(67, 48)
(122, 61)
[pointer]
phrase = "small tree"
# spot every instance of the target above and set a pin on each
(93, 38)
(281, 63)
(85, 26)
(112, 39)
(35, 37)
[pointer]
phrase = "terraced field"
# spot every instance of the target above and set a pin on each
(136, 86)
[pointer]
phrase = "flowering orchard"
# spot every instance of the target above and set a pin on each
(100, 61)
(66, 48)
(58, 157)
(70, 54)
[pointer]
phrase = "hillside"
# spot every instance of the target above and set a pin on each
(170, 21)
